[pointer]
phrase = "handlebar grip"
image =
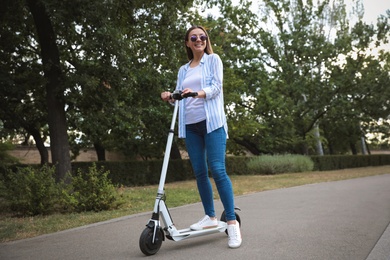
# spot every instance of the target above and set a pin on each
(191, 94)
(177, 95)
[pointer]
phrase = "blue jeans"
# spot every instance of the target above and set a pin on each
(211, 148)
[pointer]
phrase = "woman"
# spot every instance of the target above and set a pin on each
(202, 122)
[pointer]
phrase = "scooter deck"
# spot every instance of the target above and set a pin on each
(181, 234)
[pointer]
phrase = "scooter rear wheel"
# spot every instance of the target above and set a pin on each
(223, 218)
(146, 241)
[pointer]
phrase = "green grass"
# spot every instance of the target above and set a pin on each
(141, 199)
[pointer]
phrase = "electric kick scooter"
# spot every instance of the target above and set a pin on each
(153, 235)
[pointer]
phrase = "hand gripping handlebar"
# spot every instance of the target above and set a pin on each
(178, 95)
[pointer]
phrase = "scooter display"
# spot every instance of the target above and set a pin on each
(154, 234)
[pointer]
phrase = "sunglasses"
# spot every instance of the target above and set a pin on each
(203, 38)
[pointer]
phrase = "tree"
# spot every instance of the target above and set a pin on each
(362, 81)
(22, 108)
(300, 45)
(96, 73)
(54, 76)
(101, 64)
(233, 33)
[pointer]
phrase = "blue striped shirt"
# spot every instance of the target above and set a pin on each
(211, 84)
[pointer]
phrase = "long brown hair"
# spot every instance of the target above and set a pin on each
(208, 48)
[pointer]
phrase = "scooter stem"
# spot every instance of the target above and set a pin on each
(167, 154)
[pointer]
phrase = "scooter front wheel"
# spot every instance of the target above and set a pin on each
(146, 241)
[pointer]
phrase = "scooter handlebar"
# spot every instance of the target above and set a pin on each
(178, 95)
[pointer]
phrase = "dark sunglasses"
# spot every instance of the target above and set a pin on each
(203, 38)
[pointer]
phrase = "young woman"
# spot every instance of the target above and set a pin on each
(202, 122)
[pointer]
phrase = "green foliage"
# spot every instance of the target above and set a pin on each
(30, 191)
(338, 162)
(287, 67)
(313, 68)
(141, 173)
(238, 165)
(93, 191)
(274, 164)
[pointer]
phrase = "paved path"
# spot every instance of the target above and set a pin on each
(334, 220)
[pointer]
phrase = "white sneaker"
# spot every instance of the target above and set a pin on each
(234, 233)
(205, 223)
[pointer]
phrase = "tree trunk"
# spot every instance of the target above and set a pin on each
(39, 144)
(59, 143)
(353, 148)
(367, 147)
(100, 152)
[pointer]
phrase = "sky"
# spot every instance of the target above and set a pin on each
(374, 8)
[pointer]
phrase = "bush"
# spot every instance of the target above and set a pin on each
(93, 191)
(274, 164)
(30, 191)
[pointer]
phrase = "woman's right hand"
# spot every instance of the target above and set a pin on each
(166, 95)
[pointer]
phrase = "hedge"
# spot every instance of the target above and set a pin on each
(139, 173)
(338, 162)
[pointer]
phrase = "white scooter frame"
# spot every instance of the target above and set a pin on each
(153, 235)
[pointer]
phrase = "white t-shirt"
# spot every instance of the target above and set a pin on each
(195, 111)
